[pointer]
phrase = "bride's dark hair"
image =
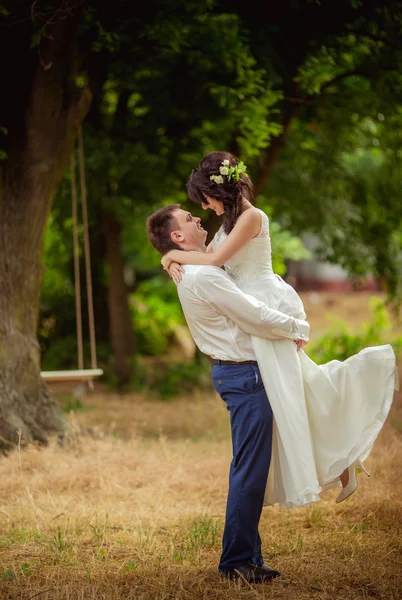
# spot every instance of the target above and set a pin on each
(231, 194)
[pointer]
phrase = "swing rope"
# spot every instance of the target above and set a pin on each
(81, 374)
(91, 318)
(77, 282)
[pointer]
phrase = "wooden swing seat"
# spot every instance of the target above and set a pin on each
(78, 376)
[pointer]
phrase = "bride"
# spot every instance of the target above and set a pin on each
(326, 417)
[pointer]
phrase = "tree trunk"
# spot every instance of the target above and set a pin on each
(276, 147)
(121, 330)
(41, 128)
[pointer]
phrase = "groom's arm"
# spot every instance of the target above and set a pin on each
(254, 317)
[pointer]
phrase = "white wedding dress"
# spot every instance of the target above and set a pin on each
(325, 416)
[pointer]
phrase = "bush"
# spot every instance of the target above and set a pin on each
(173, 379)
(156, 313)
(61, 354)
(340, 344)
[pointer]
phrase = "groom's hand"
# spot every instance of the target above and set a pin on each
(300, 344)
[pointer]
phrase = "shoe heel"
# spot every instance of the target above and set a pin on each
(360, 466)
(351, 485)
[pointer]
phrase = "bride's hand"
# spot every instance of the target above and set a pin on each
(300, 344)
(166, 261)
(175, 271)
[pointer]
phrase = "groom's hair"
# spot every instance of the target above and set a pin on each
(159, 227)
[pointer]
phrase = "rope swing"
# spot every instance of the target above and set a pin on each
(80, 375)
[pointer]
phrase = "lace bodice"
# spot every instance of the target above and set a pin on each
(254, 260)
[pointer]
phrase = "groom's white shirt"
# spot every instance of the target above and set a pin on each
(222, 319)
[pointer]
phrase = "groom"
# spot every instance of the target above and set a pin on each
(222, 320)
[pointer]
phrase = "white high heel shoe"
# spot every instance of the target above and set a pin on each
(352, 483)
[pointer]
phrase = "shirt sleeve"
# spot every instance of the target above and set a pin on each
(256, 318)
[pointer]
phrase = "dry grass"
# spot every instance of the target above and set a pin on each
(350, 307)
(134, 509)
(132, 506)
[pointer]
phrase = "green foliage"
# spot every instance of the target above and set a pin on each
(328, 63)
(340, 344)
(57, 280)
(156, 313)
(339, 178)
(57, 296)
(180, 378)
(183, 78)
(285, 246)
(60, 353)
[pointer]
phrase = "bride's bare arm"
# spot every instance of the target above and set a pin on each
(175, 269)
(247, 227)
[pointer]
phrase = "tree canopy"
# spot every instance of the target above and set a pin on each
(307, 93)
(299, 99)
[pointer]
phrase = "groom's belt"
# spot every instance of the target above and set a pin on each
(233, 362)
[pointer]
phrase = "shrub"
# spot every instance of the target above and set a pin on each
(339, 343)
(172, 379)
(156, 313)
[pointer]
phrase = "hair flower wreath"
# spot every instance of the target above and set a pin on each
(233, 174)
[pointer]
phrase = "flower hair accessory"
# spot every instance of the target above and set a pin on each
(233, 174)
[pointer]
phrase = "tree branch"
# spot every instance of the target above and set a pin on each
(276, 147)
(311, 98)
(79, 108)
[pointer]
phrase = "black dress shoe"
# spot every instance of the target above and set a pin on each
(252, 573)
(268, 569)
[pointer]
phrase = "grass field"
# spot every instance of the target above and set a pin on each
(131, 506)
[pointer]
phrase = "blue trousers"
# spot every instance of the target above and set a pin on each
(241, 387)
